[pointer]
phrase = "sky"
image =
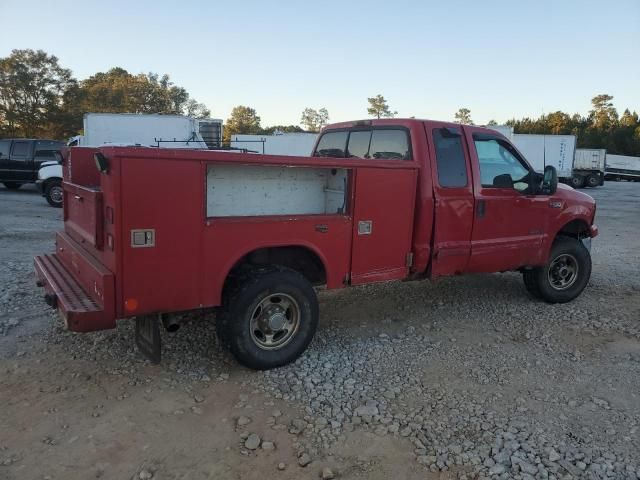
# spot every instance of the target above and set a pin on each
(500, 59)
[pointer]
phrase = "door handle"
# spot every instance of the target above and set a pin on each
(481, 207)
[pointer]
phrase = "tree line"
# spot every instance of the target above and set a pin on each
(40, 98)
(602, 127)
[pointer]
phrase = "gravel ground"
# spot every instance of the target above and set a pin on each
(463, 378)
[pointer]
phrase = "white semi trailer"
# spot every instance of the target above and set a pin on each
(623, 167)
(543, 150)
(588, 167)
(298, 144)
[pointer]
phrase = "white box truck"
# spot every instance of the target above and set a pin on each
(543, 150)
(588, 167)
(622, 167)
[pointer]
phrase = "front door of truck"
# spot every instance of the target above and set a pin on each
(509, 222)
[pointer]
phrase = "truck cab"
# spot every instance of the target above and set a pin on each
(251, 235)
(20, 159)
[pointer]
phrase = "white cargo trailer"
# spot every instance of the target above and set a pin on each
(298, 144)
(543, 150)
(623, 167)
(588, 167)
(167, 131)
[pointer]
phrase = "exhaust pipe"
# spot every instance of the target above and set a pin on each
(170, 323)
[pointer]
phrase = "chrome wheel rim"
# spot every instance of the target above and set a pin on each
(275, 321)
(563, 271)
(56, 194)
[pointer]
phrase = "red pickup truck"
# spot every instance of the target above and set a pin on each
(150, 232)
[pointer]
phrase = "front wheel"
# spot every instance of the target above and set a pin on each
(566, 274)
(53, 193)
(269, 318)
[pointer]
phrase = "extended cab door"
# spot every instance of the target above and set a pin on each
(453, 194)
(509, 221)
(20, 164)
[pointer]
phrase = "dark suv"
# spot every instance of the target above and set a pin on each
(20, 159)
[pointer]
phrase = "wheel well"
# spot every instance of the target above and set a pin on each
(51, 180)
(575, 228)
(300, 259)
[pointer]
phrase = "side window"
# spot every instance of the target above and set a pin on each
(4, 148)
(390, 144)
(499, 164)
(332, 144)
(452, 168)
(359, 144)
(43, 155)
(20, 150)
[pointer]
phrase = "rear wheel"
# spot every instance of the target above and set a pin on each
(593, 180)
(566, 274)
(12, 185)
(577, 181)
(269, 318)
(53, 193)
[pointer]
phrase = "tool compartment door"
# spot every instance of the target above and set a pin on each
(383, 224)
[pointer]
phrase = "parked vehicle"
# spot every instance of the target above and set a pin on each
(589, 167)
(21, 158)
(623, 167)
(543, 150)
(251, 234)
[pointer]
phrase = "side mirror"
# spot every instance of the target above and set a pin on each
(503, 181)
(550, 180)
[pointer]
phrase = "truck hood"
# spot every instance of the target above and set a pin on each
(49, 163)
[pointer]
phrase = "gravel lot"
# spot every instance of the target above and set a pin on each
(463, 378)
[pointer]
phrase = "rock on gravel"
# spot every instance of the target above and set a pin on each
(252, 442)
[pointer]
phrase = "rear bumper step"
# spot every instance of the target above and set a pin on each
(80, 312)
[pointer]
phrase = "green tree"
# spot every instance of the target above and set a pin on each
(118, 91)
(603, 113)
(32, 86)
(463, 115)
(492, 123)
(379, 108)
(314, 120)
(282, 128)
(242, 120)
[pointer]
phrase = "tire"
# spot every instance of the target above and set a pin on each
(593, 180)
(12, 185)
(53, 193)
(577, 181)
(566, 274)
(264, 301)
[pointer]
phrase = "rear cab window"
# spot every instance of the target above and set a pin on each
(383, 143)
(5, 146)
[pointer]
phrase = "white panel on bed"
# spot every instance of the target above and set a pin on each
(247, 190)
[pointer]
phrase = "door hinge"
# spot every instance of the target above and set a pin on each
(409, 259)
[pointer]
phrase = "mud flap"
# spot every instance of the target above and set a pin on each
(148, 337)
